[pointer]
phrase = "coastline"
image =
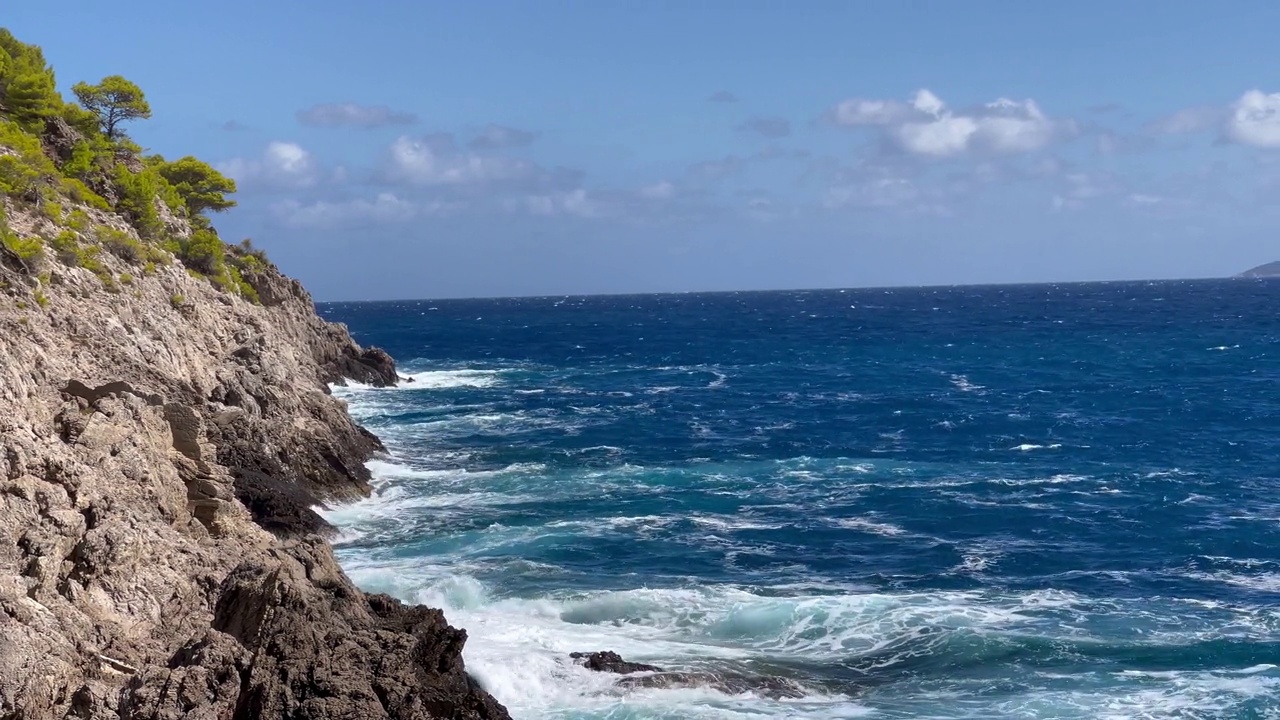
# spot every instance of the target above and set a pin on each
(162, 560)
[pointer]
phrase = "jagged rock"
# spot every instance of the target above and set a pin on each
(347, 655)
(60, 139)
(609, 661)
(371, 366)
(158, 464)
(732, 683)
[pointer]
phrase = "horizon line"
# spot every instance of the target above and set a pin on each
(793, 289)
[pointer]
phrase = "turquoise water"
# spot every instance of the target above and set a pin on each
(989, 502)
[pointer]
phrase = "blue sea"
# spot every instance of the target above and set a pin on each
(1040, 501)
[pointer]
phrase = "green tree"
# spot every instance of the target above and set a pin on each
(28, 93)
(114, 100)
(200, 185)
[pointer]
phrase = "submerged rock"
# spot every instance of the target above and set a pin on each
(609, 661)
(640, 675)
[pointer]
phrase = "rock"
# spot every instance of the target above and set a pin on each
(609, 661)
(372, 366)
(731, 683)
(319, 648)
(159, 554)
(60, 139)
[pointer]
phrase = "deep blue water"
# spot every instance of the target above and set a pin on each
(977, 502)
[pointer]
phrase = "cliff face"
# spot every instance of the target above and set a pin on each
(162, 442)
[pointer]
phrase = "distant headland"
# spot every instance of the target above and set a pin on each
(1269, 270)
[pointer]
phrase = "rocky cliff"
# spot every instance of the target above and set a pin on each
(163, 443)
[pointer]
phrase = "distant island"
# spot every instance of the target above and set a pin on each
(1269, 270)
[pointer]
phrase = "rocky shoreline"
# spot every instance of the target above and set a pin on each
(163, 444)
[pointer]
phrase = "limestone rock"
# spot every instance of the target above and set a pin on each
(159, 557)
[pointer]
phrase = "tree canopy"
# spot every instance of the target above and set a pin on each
(114, 100)
(28, 93)
(200, 185)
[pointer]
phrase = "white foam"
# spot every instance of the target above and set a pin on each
(722, 522)
(427, 380)
(1025, 447)
(962, 384)
(866, 524)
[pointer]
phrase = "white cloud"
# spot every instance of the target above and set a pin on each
(1187, 120)
(574, 202)
(878, 193)
(1141, 200)
(658, 191)
(436, 160)
(869, 112)
(927, 128)
(1255, 120)
(283, 164)
(386, 208)
(939, 137)
(353, 115)
(1075, 189)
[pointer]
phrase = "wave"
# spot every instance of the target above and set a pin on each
(882, 643)
(429, 380)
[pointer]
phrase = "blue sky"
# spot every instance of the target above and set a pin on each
(398, 149)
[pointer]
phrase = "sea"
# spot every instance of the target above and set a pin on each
(1023, 501)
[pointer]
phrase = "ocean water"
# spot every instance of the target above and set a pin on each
(1055, 501)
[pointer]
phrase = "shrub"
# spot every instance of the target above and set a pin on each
(120, 244)
(41, 299)
(126, 279)
(25, 169)
(67, 247)
(205, 253)
(138, 194)
(89, 259)
(52, 209)
(241, 287)
(79, 192)
(25, 248)
(78, 220)
(177, 301)
(92, 157)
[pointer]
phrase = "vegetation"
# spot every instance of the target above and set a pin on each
(201, 187)
(66, 160)
(25, 249)
(28, 93)
(113, 101)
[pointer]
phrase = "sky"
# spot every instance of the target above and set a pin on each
(399, 149)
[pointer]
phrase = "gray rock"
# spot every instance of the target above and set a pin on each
(159, 557)
(640, 675)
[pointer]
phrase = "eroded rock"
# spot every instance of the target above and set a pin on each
(640, 675)
(159, 557)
